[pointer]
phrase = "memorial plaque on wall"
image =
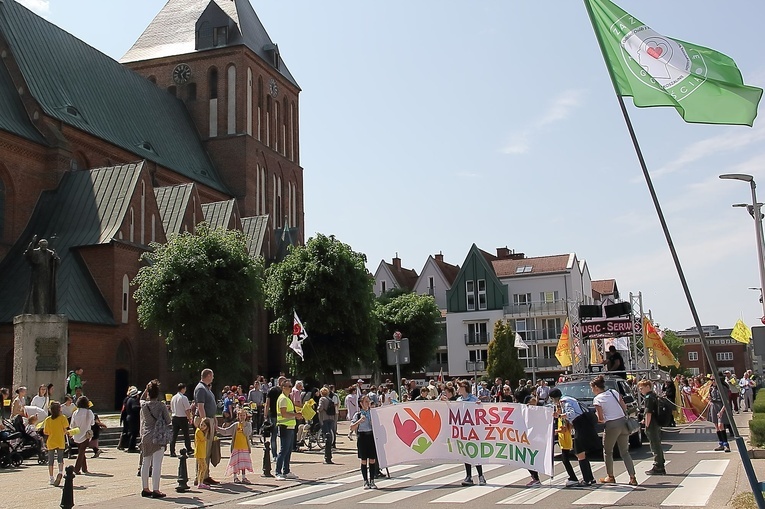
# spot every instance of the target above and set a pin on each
(47, 354)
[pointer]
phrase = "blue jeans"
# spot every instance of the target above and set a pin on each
(286, 441)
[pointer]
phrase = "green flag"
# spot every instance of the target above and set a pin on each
(703, 85)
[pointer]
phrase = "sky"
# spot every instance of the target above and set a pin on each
(428, 126)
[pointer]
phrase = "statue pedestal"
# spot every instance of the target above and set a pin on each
(40, 348)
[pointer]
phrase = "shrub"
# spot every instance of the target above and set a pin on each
(757, 430)
(758, 406)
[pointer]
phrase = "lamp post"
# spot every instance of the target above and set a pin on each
(757, 223)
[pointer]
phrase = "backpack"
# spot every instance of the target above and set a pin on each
(330, 407)
(663, 412)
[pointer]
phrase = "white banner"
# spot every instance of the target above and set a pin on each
(465, 432)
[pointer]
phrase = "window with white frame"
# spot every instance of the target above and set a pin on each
(724, 356)
(383, 287)
(470, 294)
(693, 356)
(694, 371)
(481, 294)
(431, 285)
(551, 328)
(478, 333)
(522, 298)
(548, 297)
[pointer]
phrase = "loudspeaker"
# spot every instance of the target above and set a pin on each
(590, 311)
(619, 309)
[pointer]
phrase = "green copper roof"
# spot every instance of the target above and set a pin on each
(255, 229)
(86, 209)
(86, 89)
(218, 214)
(172, 202)
(13, 116)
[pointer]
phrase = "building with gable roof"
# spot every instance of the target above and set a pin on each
(389, 276)
(199, 122)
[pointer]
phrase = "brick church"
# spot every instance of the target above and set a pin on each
(197, 122)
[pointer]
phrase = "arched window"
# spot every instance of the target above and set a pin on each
(291, 131)
(231, 100)
(212, 81)
(279, 209)
(260, 106)
(277, 122)
(143, 212)
(125, 297)
(263, 190)
(283, 127)
(2, 209)
(249, 101)
(153, 228)
(132, 225)
(268, 120)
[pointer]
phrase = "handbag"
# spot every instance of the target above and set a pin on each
(163, 432)
(633, 426)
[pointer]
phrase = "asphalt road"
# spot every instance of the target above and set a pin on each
(697, 477)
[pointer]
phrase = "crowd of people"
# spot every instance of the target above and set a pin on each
(292, 415)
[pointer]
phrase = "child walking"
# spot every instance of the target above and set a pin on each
(240, 460)
(54, 427)
(200, 453)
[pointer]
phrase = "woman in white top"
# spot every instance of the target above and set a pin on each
(83, 419)
(68, 407)
(612, 411)
(41, 400)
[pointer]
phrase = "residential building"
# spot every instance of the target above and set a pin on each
(729, 353)
(389, 276)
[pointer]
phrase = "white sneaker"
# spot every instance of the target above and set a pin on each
(51, 481)
(571, 484)
(280, 477)
(290, 475)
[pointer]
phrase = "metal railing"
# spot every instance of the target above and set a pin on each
(480, 338)
(557, 307)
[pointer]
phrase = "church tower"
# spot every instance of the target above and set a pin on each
(216, 57)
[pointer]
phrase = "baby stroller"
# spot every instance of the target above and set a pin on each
(26, 445)
(8, 455)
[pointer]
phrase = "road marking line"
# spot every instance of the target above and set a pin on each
(313, 488)
(328, 499)
(473, 492)
(610, 494)
(411, 491)
(696, 488)
(530, 496)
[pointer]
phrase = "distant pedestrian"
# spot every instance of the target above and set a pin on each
(152, 441)
(200, 454)
(286, 422)
(180, 409)
(652, 427)
(83, 421)
(717, 415)
(361, 423)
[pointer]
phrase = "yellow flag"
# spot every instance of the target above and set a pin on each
(741, 332)
(563, 351)
(660, 351)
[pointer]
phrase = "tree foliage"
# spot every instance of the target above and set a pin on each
(417, 317)
(329, 287)
(675, 345)
(503, 359)
(199, 291)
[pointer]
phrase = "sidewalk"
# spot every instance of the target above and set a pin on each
(113, 479)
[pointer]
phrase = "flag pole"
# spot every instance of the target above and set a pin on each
(740, 444)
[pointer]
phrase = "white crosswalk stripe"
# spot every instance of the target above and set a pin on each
(418, 481)
(531, 496)
(411, 491)
(328, 499)
(696, 488)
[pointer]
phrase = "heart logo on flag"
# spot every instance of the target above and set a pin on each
(415, 432)
(655, 51)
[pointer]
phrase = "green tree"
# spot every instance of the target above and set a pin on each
(503, 359)
(675, 345)
(199, 291)
(417, 317)
(329, 287)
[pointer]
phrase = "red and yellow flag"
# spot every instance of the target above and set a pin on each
(658, 347)
(563, 351)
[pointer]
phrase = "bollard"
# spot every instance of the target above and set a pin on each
(67, 495)
(267, 459)
(183, 473)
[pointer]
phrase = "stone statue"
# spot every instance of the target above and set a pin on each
(41, 299)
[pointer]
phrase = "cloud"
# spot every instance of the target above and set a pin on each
(41, 7)
(558, 110)
(700, 150)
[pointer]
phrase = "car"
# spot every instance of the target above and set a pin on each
(579, 388)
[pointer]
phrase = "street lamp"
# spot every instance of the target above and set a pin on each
(757, 223)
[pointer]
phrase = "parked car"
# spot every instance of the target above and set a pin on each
(580, 390)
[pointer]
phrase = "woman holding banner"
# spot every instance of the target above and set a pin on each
(361, 423)
(466, 395)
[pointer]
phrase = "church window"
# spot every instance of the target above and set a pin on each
(212, 81)
(125, 297)
(153, 228)
(268, 120)
(260, 106)
(2, 208)
(277, 117)
(263, 190)
(231, 100)
(220, 36)
(291, 131)
(132, 225)
(143, 212)
(249, 101)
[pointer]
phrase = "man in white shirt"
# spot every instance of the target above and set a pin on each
(180, 409)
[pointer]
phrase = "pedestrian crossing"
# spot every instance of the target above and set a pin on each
(440, 484)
